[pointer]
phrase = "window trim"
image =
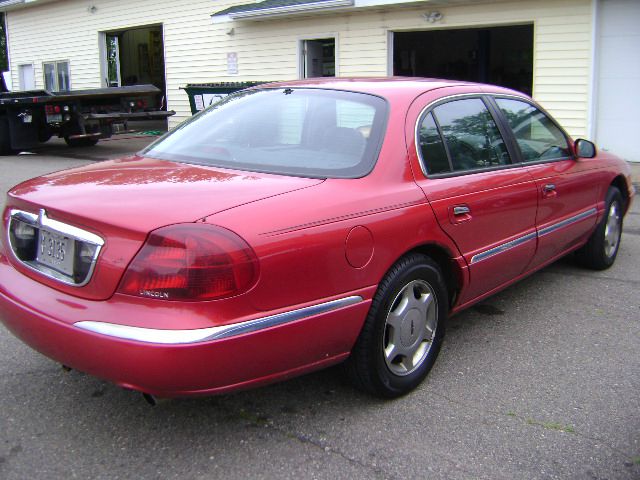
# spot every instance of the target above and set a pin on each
(55, 70)
(503, 126)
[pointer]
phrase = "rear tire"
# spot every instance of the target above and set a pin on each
(403, 332)
(602, 247)
(81, 142)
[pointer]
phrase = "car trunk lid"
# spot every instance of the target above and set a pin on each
(121, 201)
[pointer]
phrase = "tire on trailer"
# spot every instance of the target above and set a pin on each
(601, 249)
(403, 331)
(81, 142)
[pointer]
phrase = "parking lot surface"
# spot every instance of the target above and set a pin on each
(541, 381)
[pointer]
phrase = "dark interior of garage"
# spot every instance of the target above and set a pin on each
(135, 57)
(497, 55)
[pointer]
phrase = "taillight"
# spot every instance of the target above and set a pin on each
(191, 262)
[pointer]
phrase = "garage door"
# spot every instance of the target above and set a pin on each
(618, 78)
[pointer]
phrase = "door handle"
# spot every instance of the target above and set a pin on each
(459, 214)
(461, 210)
(549, 190)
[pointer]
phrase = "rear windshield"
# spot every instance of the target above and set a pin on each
(291, 131)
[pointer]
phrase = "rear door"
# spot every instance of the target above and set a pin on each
(567, 188)
(482, 200)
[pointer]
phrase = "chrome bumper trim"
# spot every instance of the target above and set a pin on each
(177, 337)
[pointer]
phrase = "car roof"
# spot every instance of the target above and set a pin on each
(408, 87)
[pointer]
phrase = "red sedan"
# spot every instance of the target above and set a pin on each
(299, 225)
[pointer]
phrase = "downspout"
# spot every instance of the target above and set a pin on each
(592, 105)
(8, 44)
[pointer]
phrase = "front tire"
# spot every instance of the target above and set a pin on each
(602, 247)
(403, 332)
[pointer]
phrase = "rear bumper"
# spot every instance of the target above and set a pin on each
(249, 358)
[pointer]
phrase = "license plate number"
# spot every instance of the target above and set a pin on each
(56, 251)
(54, 117)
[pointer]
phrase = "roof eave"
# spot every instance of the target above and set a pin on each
(288, 9)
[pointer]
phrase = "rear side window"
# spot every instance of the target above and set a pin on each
(461, 135)
(537, 136)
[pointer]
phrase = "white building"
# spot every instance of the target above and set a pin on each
(579, 58)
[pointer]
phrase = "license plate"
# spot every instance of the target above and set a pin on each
(56, 251)
(54, 117)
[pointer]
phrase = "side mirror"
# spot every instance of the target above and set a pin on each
(585, 148)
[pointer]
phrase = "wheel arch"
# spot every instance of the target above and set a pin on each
(620, 183)
(448, 266)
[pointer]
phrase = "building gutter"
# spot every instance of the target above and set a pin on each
(6, 5)
(289, 9)
(592, 105)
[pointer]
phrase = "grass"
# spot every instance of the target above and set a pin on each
(558, 427)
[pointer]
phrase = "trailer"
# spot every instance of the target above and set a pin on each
(81, 117)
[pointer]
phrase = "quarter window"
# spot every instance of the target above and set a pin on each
(432, 147)
(537, 136)
(471, 138)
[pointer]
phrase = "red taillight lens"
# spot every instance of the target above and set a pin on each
(56, 108)
(191, 262)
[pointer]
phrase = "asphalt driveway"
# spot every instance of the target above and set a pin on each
(540, 381)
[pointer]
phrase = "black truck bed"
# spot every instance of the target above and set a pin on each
(44, 96)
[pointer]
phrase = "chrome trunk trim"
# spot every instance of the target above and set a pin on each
(42, 220)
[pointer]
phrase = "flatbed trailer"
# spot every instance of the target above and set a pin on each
(81, 117)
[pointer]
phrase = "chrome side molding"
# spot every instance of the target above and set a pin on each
(530, 236)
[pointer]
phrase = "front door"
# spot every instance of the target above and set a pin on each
(567, 188)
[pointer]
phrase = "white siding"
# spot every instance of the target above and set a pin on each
(196, 48)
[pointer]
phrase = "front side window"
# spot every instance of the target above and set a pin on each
(470, 134)
(291, 131)
(56, 76)
(537, 136)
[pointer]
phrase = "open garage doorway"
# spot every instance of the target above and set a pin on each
(135, 56)
(498, 55)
